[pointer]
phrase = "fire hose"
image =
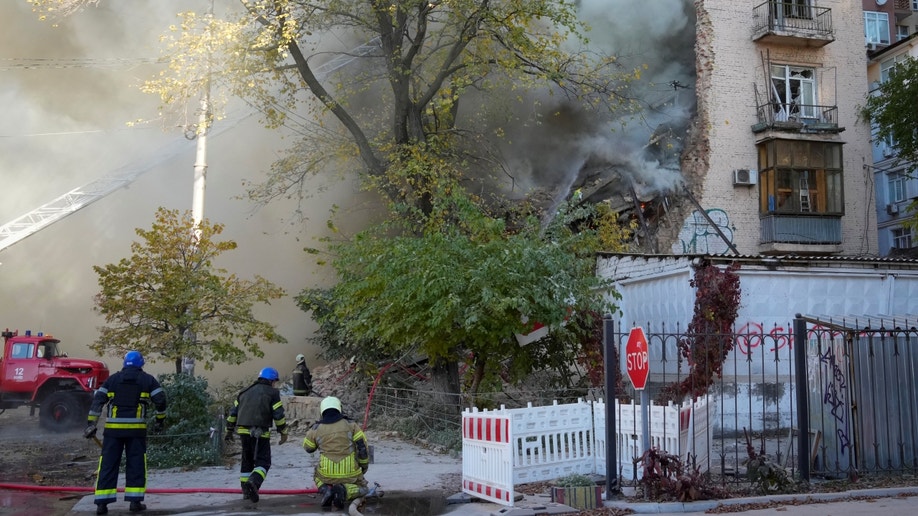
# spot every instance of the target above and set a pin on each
(159, 490)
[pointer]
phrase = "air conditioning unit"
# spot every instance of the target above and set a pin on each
(892, 209)
(745, 176)
(871, 46)
(887, 151)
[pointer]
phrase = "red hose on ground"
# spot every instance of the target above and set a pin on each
(159, 490)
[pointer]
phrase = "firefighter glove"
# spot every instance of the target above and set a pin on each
(229, 435)
(90, 431)
(283, 438)
(158, 426)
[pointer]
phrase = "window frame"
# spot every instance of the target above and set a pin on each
(896, 187)
(786, 105)
(899, 235)
(873, 25)
(801, 178)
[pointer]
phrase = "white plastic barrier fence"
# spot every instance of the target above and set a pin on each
(505, 447)
(487, 467)
(552, 441)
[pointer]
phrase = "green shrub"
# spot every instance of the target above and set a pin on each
(190, 438)
(575, 480)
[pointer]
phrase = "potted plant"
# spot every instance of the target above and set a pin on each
(577, 491)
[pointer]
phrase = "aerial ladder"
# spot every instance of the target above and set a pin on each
(82, 196)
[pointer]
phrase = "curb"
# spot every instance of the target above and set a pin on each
(701, 506)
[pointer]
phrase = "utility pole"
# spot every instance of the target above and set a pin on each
(200, 177)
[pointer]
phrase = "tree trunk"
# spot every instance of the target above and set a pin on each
(444, 381)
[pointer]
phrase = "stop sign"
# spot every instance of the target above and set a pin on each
(637, 359)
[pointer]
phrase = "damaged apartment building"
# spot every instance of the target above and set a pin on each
(774, 160)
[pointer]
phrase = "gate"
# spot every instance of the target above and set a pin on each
(861, 394)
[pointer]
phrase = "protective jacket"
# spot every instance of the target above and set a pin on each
(257, 407)
(343, 451)
(128, 394)
(302, 380)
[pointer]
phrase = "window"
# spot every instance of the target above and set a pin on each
(901, 32)
(22, 350)
(915, 5)
(793, 91)
(876, 27)
(896, 187)
(886, 67)
(793, 8)
(800, 177)
(902, 238)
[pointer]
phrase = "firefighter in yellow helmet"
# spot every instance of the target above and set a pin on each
(344, 455)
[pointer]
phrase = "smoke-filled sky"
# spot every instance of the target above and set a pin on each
(68, 91)
(67, 95)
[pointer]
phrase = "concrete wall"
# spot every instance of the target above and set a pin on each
(656, 294)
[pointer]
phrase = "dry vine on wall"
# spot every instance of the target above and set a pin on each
(709, 338)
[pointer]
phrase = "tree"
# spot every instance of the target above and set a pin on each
(891, 110)
(422, 110)
(464, 72)
(460, 291)
(170, 300)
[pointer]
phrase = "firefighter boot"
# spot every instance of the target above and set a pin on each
(102, 508)
(327, 494)
(137, 506)
(249, 491)
(340, 496)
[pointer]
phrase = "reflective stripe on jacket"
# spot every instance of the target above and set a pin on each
(128, 395)
(343, 451)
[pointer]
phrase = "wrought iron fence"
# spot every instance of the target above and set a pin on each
(847, 397)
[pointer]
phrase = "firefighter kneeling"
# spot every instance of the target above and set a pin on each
(344, 455)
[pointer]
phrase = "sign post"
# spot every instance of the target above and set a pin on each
(637, 363)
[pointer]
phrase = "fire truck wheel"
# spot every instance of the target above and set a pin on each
(61, 411)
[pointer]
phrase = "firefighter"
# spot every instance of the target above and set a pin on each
(251, 416)
(128, 394)
(302, 378)
(344, 455)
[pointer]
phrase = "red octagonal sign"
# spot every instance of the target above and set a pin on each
(637, 359)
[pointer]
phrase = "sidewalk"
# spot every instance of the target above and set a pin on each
(414, 480)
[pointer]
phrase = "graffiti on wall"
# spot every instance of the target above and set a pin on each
(752, 336)
(698, 236)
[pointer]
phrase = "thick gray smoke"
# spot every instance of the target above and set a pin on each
(578, 147)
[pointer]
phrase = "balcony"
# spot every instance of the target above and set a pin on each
(813, 234)
(792, 23)
(798, 118)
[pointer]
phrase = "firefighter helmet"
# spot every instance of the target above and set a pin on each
(330, 402)
(268, 373)
(133, 359)
(300, 358)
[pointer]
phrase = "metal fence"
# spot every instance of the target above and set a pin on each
(853, 411)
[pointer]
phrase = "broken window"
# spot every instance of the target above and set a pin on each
(793, 92)
(800, 177)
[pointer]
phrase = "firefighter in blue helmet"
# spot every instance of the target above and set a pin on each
(253, 412)
(128, 395)
(344, 455)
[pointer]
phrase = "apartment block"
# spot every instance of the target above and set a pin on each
(891, 35)
(778, 161)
